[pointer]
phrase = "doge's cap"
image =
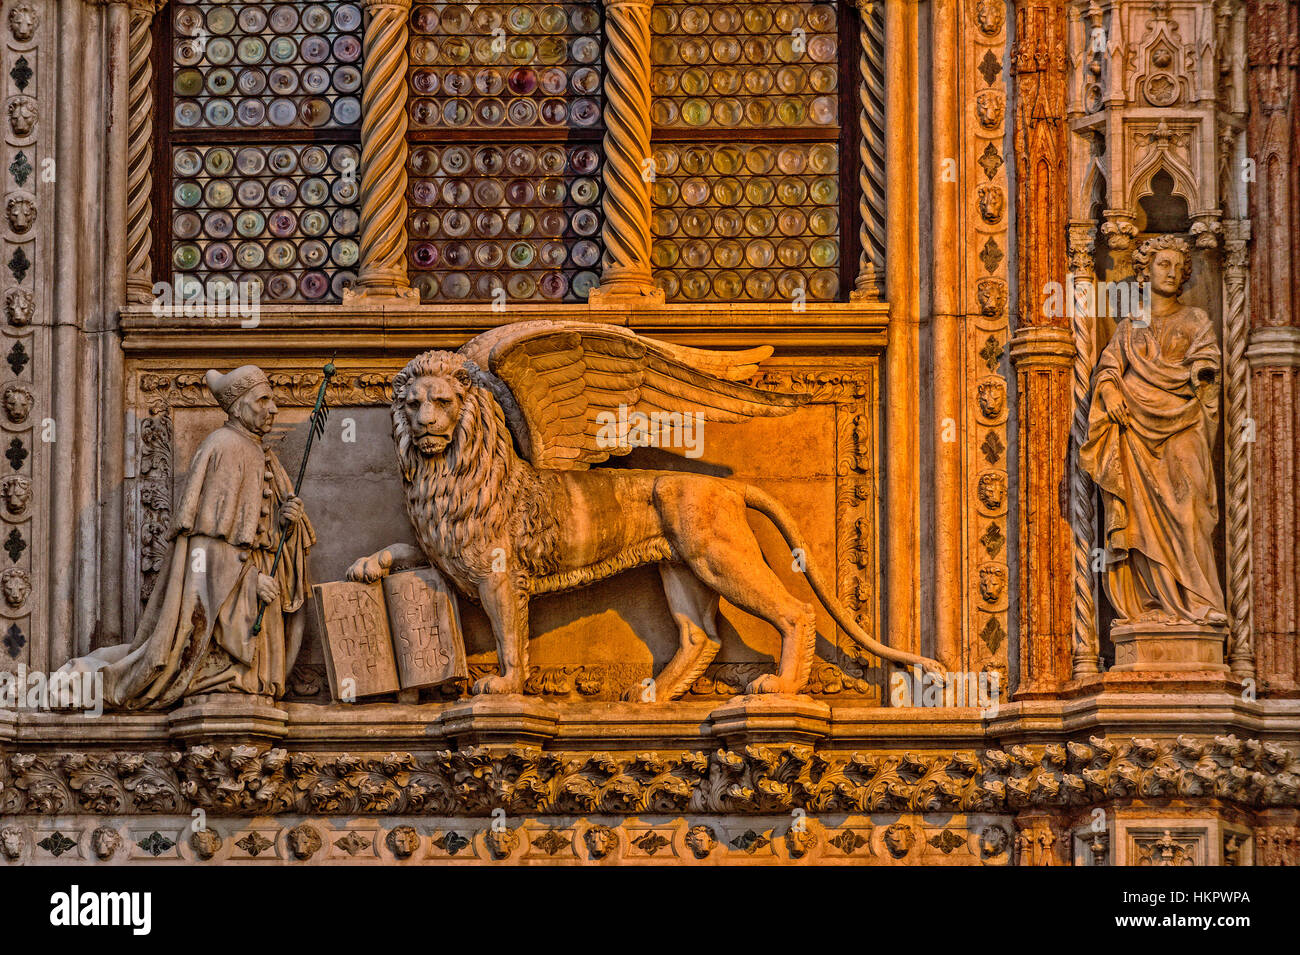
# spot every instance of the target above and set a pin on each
(230, 387)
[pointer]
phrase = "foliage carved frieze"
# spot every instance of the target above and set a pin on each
(249, 781)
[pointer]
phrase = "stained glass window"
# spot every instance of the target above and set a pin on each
(505, 106)
(747, 150)
(264, 103)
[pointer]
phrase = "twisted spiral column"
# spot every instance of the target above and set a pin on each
(871, 151)
(382, 268)
(1237, 477)
(1082, 238)
(626, 229)
(139, 151)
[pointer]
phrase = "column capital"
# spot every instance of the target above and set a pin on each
(1042, 345)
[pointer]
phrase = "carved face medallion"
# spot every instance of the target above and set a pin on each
(992, 295)
(501, 842)
(994, 841)
(18, 307)
(104, 843)
(601, 841)
(799, 842)
(18, 400)
(21, 213)
(989, 109)
(403, 841)
(304, 841)
(206, 843)
(992, 490)
(11, 842)
(701, 841)
(16, 492)
(992, 396)
(993, 583)
(989, 15)
(22, 115)
(899, 839)
(15, 585)
(22, 22)
(992, 203)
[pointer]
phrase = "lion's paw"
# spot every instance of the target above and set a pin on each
(498, 684)
(366, 570)
(771, 683)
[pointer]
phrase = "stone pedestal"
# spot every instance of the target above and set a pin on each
(766, 719)
(228, 719)
(507, 721)
(1178, 647)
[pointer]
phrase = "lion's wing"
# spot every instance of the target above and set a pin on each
(568, 379)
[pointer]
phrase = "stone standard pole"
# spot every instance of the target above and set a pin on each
(626, 231)
(382, 274)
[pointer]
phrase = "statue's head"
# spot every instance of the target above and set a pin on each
(1165, 262)
(429, 395)
(245, 395)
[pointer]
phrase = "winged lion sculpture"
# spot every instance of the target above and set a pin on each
(495, 444)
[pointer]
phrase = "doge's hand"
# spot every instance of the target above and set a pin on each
(268, 588)
(367, 570)
(291, 511)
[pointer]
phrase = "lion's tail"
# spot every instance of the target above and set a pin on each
(767, 505)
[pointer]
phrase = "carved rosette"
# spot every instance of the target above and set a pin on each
(626, 229)
(382, 268)
(871, 151)
(21, 412)
(1236, 468)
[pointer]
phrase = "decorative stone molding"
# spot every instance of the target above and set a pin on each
(1082, 238)
(626, 229)
(251, 781)
(382, 273)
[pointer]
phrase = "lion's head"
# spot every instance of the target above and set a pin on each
(429, 397)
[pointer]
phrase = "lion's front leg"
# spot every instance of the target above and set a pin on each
(506, 604)
(395, 557)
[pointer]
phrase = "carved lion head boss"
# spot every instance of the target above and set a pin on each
(496, 444)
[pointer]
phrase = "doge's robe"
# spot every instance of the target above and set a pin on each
(196, 632)
(1157, 475)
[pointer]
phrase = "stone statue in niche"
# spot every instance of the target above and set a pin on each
(196, 633)
(495, 444)
(1152, 428)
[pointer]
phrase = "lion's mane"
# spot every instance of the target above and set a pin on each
(478, 492)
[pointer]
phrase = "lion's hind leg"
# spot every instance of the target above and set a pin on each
(724, 555)
(695, 608)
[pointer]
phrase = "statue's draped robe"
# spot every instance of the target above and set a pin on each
(196, 632)
(1157, 475)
